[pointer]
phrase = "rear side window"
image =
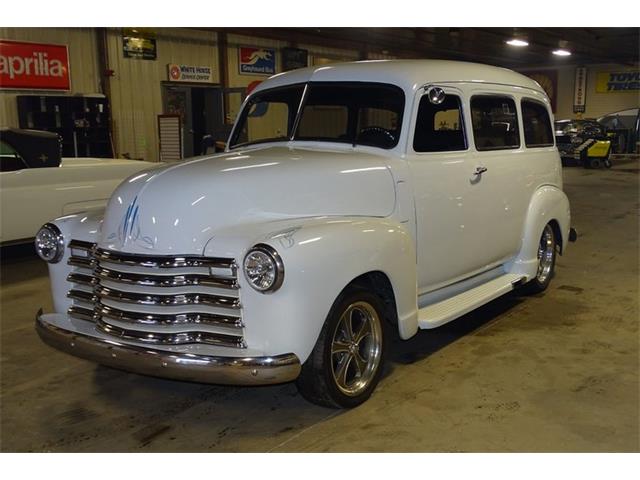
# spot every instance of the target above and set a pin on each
(537, 125)
(495, 122)
(439, 128)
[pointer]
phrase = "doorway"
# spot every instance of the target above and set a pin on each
(201, 110)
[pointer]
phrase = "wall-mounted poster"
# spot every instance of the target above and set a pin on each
(139, 43)
(580, 91)
(257, 60)
(34, 66)
(548, 80)
(293, 58)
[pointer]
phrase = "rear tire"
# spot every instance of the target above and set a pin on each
(346, 362)
(547, 251)
(595, 163)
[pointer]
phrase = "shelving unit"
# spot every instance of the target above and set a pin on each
(83, 122)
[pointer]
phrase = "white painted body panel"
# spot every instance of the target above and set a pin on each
(33, 196)
(334, 212)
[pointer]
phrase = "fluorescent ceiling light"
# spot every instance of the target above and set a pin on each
(561, 52)
(516, 42)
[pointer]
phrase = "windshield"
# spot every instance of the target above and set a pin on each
(354, 112)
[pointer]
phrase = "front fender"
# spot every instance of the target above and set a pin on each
(321, 256)
(547, 203)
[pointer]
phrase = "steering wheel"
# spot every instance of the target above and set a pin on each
(377, 135)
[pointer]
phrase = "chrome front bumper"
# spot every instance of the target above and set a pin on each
(162, 363)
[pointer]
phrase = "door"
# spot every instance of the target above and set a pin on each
(453, 216)
(177, 101)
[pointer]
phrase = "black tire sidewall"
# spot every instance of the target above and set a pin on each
(346, 299)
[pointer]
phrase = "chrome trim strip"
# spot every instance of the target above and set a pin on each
(177, 338)
(165, 280)
(162, 363)
(82, 279)
(81, 295)
(162, 261)
(81, 313)
(172, 299)
(190, 318)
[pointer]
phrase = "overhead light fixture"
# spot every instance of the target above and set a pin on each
(517, 42)
(561, 52)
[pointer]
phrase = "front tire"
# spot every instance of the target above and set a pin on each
(346, 363)
(547, 251)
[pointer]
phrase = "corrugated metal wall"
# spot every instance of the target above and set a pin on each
(136, 93)
(83, 63)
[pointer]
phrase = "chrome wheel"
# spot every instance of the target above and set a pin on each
(546, 254)
(356, 348)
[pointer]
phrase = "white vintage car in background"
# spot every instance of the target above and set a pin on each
(354, 202)
(36, 184)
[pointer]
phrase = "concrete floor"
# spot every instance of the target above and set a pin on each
(557, 372)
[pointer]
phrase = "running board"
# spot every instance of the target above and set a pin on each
(437, 314)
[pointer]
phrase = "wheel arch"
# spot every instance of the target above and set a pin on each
(548, 205)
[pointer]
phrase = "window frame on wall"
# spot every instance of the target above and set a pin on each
(516, 122)
(461, 116)
(550, 129)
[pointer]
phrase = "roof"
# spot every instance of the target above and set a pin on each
(407, 74)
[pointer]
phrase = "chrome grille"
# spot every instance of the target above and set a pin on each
(171, 300)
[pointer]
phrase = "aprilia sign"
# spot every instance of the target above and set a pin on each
(35, 66)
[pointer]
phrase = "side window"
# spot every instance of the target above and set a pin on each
(495, 123)
(10, 159)
(439, 128)
(537, 125)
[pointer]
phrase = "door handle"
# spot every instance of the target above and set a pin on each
(480, 170)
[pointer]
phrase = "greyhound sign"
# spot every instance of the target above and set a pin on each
(257, 61)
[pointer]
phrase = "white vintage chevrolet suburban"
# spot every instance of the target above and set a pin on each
(354, 202)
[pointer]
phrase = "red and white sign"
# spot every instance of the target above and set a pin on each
(34, 66)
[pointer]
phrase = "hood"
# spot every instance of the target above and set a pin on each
(177, 209)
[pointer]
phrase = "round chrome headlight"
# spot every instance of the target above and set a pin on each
(263, 268)
(50, 243)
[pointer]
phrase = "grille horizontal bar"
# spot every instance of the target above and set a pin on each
(82, 262)
(165, 280)
(172, 299)
(81, 295)
(82, 245)
(181, 338)
(162, 319)
(82, 279)
(81, 313)
(161, 261)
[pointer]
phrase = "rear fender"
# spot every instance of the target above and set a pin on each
(547, 204)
